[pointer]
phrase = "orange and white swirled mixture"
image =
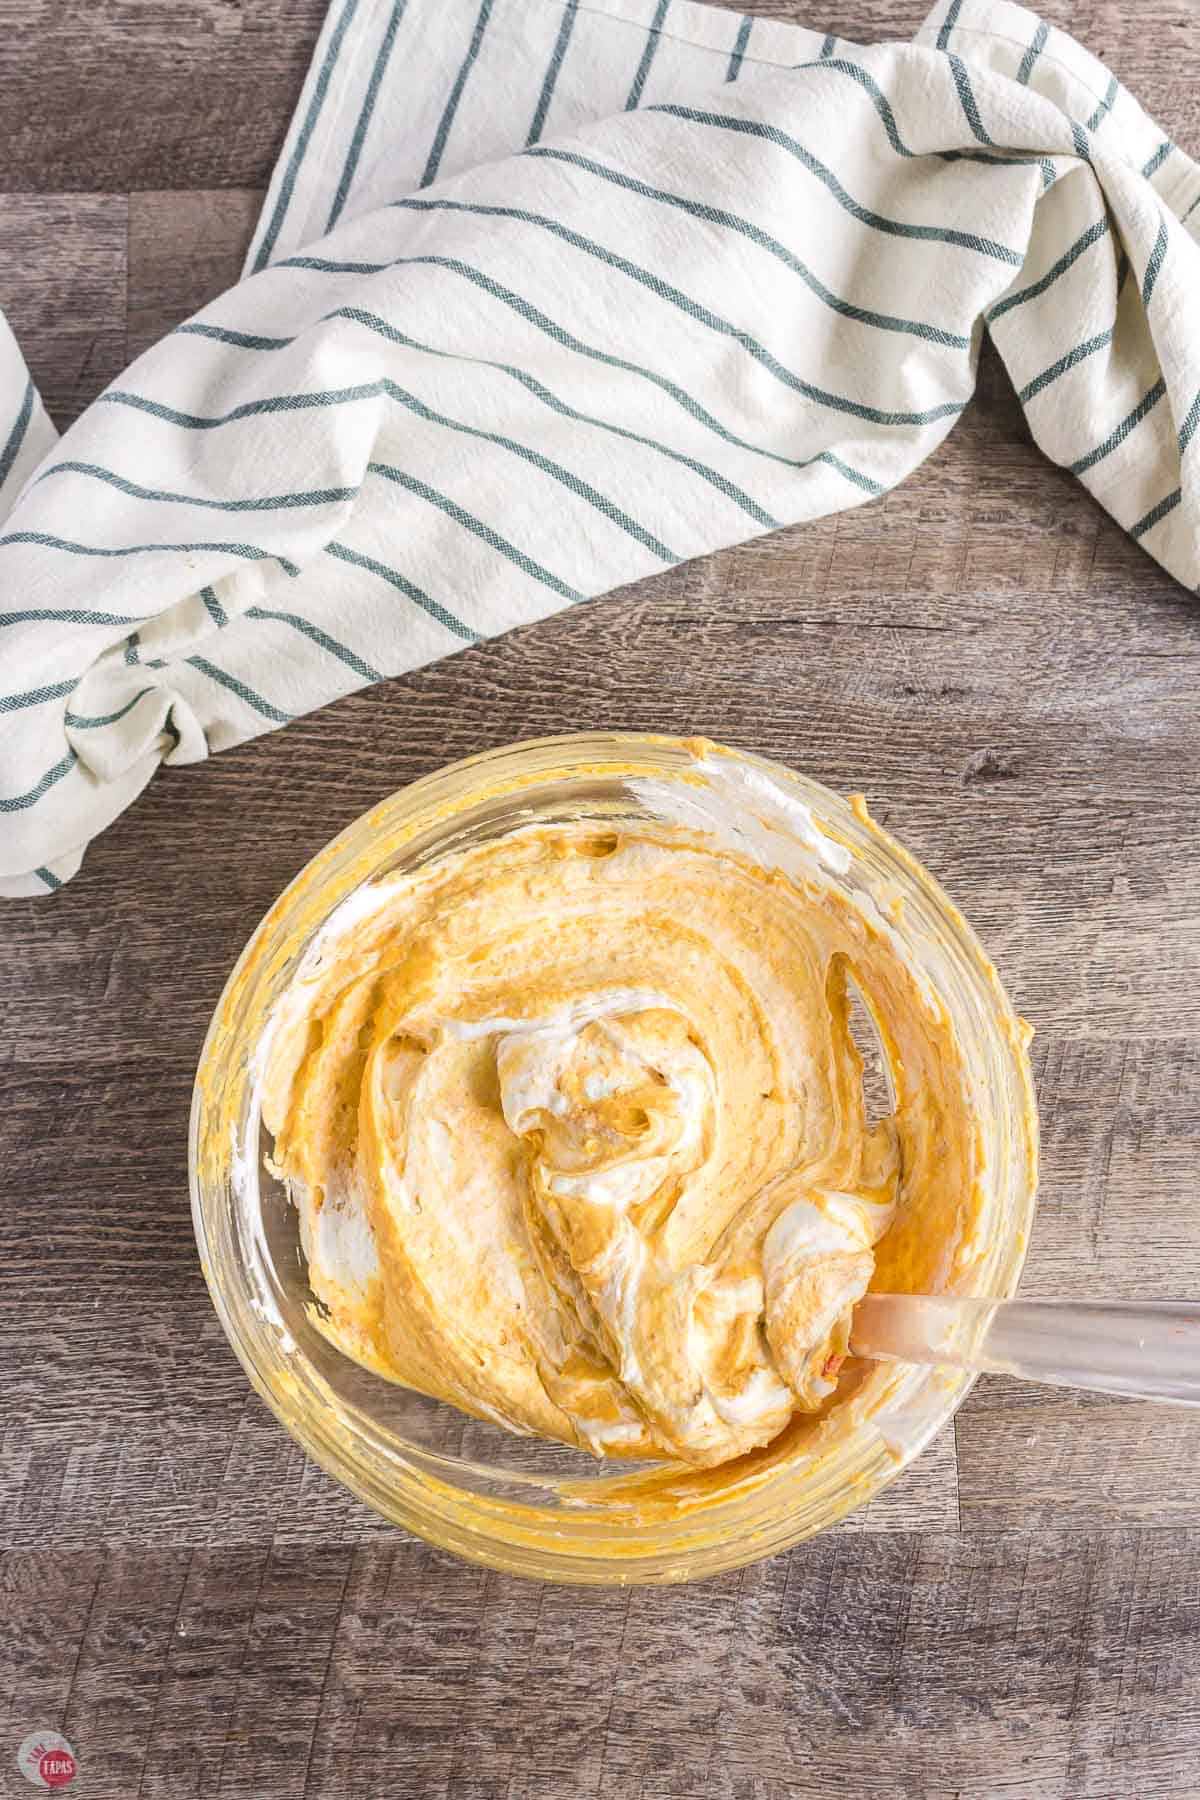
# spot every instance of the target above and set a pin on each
(575, 1124)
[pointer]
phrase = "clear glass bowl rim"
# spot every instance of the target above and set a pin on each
(421, 1491)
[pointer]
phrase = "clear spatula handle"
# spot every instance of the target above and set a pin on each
(1147, 1349)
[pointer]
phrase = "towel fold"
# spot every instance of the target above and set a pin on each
(546, 297)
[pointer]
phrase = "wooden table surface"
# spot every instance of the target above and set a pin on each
(1015, 686)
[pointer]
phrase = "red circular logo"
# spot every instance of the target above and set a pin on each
(57, 1768)
(46, 1760)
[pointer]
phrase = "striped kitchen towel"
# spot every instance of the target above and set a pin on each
(548, 295)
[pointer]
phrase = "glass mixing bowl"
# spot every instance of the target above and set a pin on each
(522, 1505)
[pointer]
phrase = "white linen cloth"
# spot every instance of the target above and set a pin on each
(545, 297)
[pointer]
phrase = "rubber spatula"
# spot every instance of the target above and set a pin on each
(1146, 1349)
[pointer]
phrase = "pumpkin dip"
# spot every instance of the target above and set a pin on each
(576, 1128)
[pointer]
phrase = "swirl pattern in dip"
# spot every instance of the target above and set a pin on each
(575, 1124)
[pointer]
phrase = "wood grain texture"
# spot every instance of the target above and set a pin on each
(1014, 685)
(184, 250)
(906, 1667)
(63, 291)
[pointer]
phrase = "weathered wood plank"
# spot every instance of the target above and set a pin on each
(1006, 1666)
(1033, 1458)
(62, 288)
(184, 250)
(117, 96)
